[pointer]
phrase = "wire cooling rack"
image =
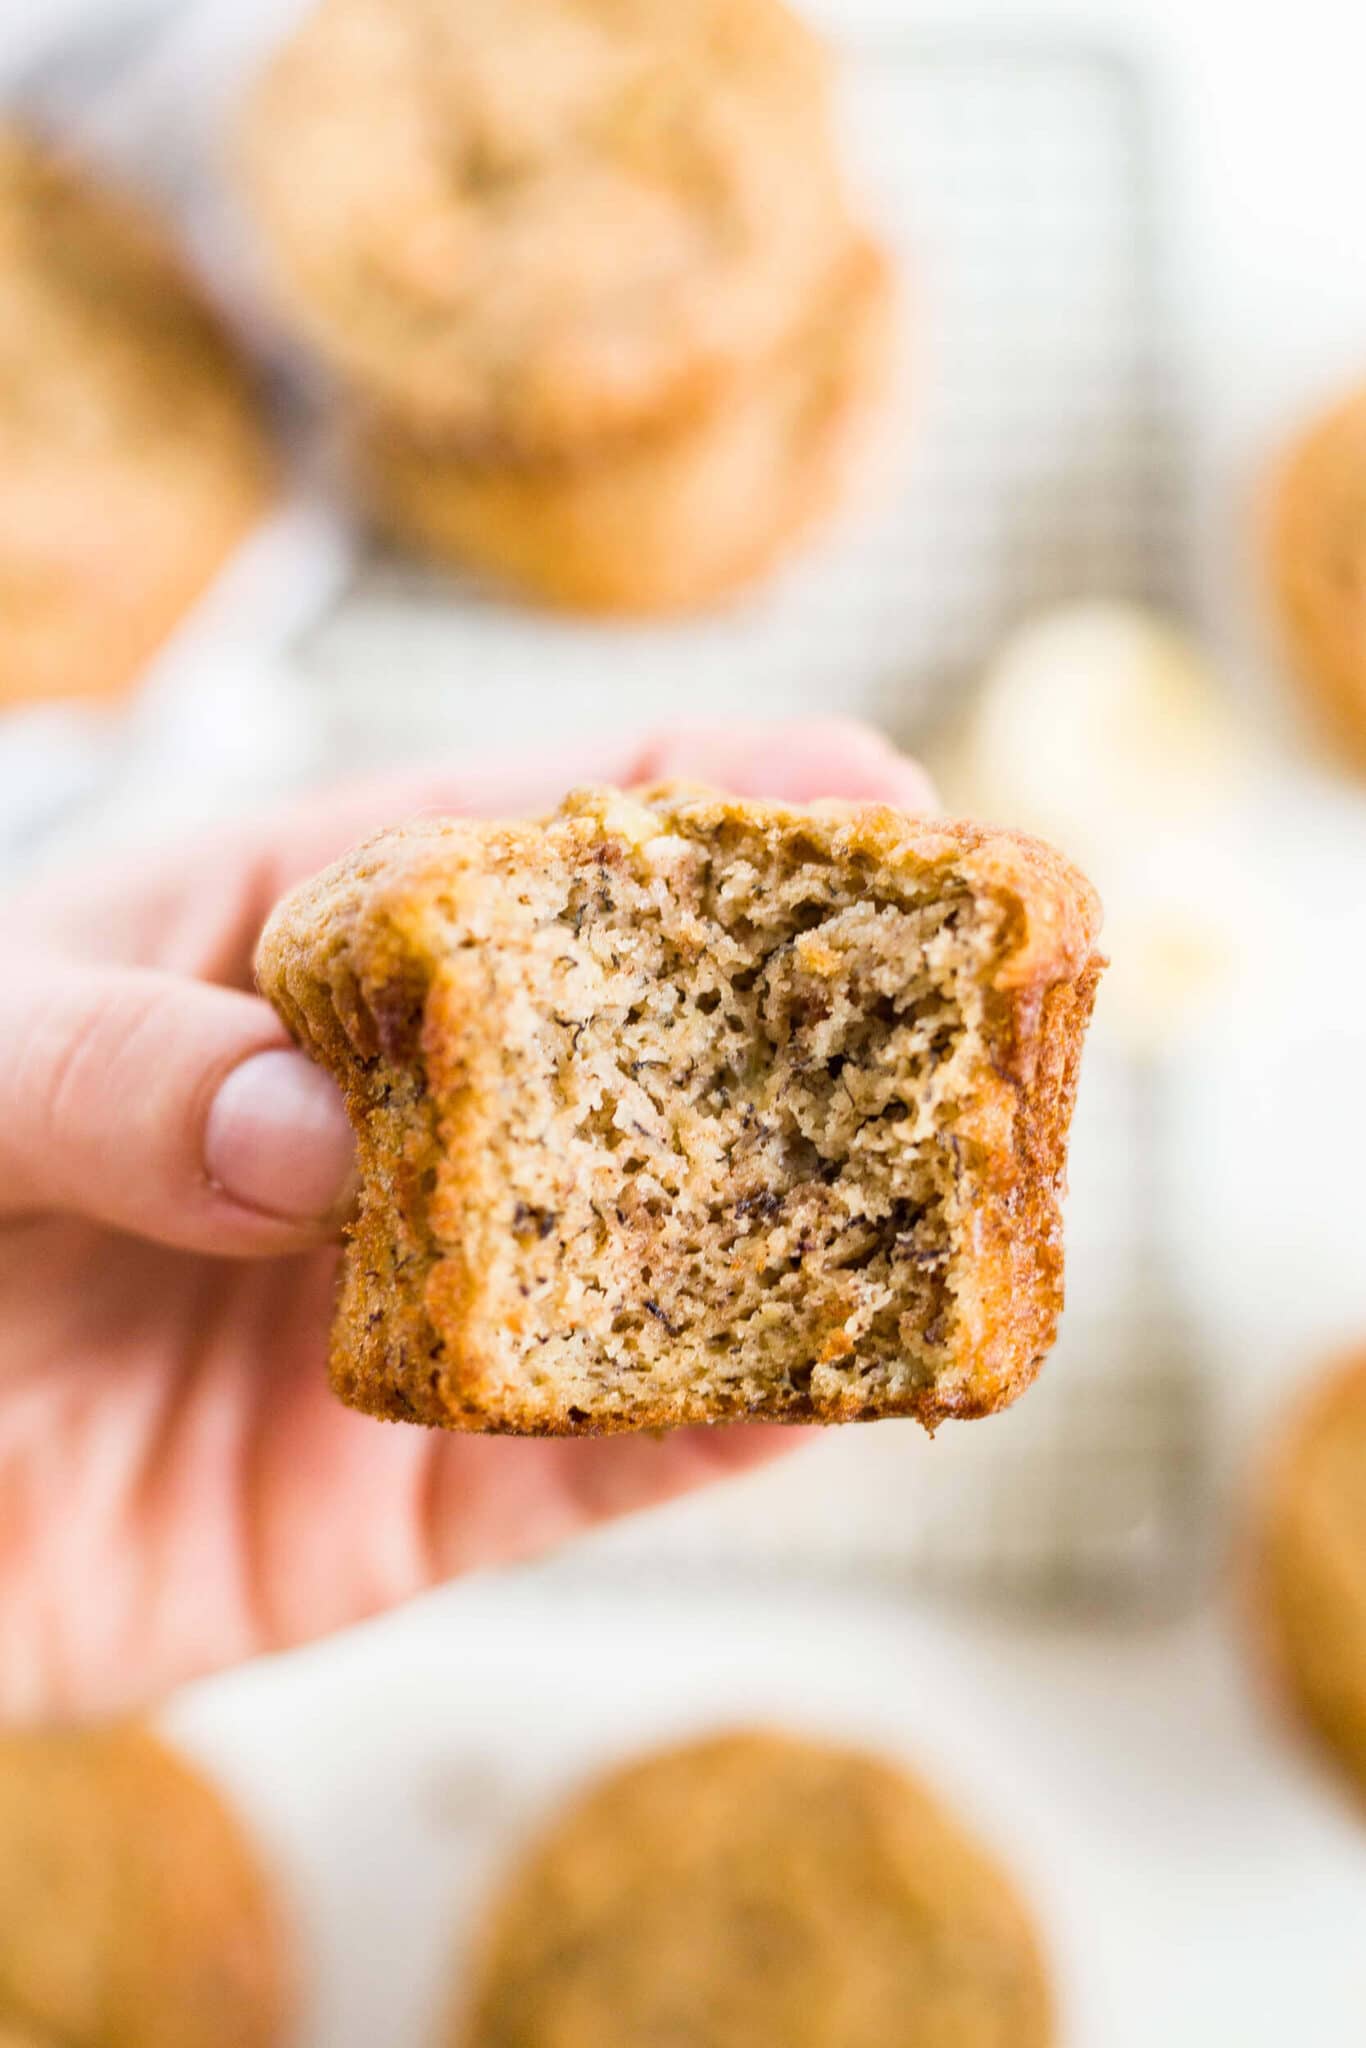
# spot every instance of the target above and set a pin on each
(1017, 182)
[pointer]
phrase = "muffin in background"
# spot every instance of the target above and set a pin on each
(677, 518)
(529, 226)
(1309, 1584)
(1318, 569)
(133, 457)
(587, 276)
(750, 1890)
(133, 1911)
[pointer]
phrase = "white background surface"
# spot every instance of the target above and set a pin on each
(1199, 1880)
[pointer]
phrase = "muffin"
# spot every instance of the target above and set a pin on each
(675, 518)
(755, 1890)
(133, 1912)
(1310, 1585)
(132, 455)
(526, 227)
(1318, 569)
(677, 1109)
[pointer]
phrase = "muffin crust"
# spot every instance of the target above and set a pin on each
(677, 1109)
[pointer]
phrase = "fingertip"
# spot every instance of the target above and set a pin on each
(277, 1141)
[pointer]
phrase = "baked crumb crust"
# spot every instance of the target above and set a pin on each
(404, 970)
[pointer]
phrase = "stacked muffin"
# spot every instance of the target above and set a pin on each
(588, 275)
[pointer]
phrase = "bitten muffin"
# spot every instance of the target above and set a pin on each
(1310, 1585)
(132, 455)
(675, 518)
(133, 1913)
(755, 1890)
(675, 1108)
(1318, 569)
(526, 226)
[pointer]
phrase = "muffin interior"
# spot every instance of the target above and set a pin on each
(694, 1132)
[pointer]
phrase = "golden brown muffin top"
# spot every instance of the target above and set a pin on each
(133, 1913)
(390, 883)
(531, 223)
(752, 1890)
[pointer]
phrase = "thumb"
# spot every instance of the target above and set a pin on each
(166, 1107)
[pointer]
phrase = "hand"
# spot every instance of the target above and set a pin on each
(178, 1487)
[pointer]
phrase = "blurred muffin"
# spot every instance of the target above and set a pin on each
(527, 226)
(674, 519)
(753, 1890)
(1311, 1585)
(132, 457)
(133, 1914)
(1318, 567)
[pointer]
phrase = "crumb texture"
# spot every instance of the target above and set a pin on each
(755, 1889)
(680, 1110)
(132, 1911)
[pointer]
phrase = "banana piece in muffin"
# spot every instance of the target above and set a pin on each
(530, 226)
(133, 1912)
(1310, 1587)
(676, 1109)
(676, 518)
(133, 458)
(1318, 569)
(753, 1890)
